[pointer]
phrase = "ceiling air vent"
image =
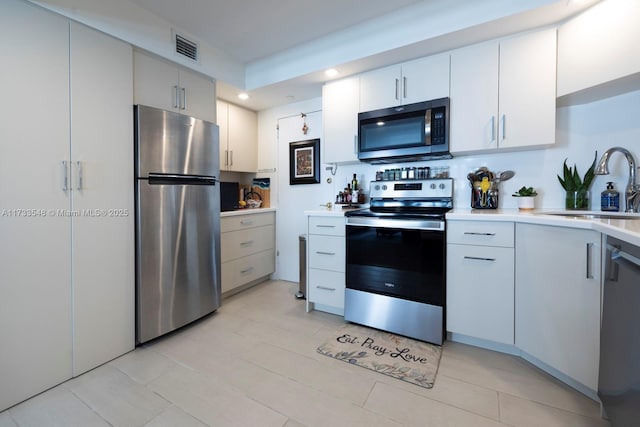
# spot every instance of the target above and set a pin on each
(186, 48)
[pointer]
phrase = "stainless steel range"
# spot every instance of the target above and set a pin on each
(396, 259)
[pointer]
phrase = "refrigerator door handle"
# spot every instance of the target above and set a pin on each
(169, 178)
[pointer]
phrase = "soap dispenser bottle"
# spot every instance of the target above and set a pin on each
(610, 199)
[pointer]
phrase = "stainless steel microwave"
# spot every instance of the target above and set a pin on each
(405, 133)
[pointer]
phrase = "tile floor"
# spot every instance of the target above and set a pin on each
(254, 363)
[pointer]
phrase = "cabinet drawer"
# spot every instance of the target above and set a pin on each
(244, 270)
(327, 253)
(326, 287)
(237, 244)
(485, 233)
(241, 222)
(480, 292)
(328, 226)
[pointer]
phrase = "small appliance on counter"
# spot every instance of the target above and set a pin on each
(229, 196)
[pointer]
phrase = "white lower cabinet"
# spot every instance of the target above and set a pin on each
(247, 251)
(326, 263)
(480, 280)
(558, 274)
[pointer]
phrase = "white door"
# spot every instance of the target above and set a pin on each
(35, 291)
(156, 83)
(293, 200)
(340, 120)
(103, 230)
(425, 79)
(243, 139)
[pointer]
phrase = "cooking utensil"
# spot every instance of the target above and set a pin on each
(506, 175)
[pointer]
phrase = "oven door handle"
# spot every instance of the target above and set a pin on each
(397, 223)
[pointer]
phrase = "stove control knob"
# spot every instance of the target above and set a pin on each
(433, 186)
(384, 186)
(442, 186)
(377, 187)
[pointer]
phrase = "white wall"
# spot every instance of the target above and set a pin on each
(581, 130)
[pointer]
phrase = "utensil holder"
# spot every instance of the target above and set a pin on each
(484, 200)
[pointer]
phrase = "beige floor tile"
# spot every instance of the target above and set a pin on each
(57, 406)
(311, 407)
(504, 376)
(213, 401)
(337, 382)
(143, 364)
(414, 410)
(116, 397)
(7, 421)
(520, 412)
(174, 417)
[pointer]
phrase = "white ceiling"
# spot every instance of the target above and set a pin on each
(286, 44)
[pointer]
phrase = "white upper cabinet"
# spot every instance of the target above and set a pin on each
(162, 84)
(407, 83)
(238, 138)
(340, 120)
(599, 46)
(503, 94)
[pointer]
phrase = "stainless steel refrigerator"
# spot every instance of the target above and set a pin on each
(177, 220)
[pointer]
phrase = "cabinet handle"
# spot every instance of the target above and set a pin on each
(247, 243)
(183, 99)
(398, 89)
(589, 250)
(404, 87)
(246, 270)
(325, 226)
(65, 176)
(176, 101)
(246, 222)
(355, 144)
(325, 253)
(493, 128)
(480, 259)
(325, 288)
(226, 157)
(79, 172)
(504, 127)
(230, 157)
(473, 233)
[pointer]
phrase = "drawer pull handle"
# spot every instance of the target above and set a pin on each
(325, 226)
(247, 243)
(326, 288)
(246, 222)
(325, 253)
(480, 259)
(472, 233)
(246, 270)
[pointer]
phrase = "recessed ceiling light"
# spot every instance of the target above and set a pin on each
(331, 72)
(243, 96)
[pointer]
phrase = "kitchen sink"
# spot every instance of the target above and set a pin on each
(598, 215)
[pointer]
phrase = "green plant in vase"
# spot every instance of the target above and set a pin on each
(577, 189)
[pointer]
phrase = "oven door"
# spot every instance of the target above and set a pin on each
(398, 258)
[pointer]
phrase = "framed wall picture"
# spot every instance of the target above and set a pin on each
(304, 162)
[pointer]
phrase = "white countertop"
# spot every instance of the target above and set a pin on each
(247, 211)
(336, 210)
(623, 229)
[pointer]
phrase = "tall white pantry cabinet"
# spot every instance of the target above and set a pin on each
(66, 200)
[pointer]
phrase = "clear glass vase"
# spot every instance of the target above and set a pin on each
(578, 200)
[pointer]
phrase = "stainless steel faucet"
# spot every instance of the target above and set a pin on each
(632, 192)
